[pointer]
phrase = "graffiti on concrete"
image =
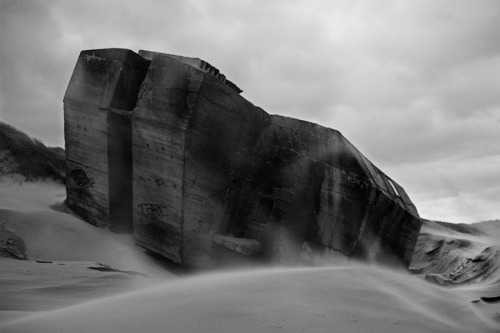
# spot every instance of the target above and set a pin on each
(153, 209)
(80, 177)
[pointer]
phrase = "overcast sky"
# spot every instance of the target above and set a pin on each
(415, 85)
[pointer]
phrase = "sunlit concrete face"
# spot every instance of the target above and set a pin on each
(166, 146)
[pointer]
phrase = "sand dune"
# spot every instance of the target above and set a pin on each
(339, 299)
(65, 287)
(456, 254)
(52, 235)
(61, 251)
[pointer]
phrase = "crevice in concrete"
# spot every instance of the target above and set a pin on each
(124, 100)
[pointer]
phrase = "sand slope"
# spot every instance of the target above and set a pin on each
(451, 254)
(68, 260)
(331, 299)
(69, 289)
(53, 235)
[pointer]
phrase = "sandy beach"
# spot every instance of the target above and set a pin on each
(80, 278)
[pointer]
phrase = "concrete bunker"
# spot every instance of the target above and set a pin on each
(171, 152)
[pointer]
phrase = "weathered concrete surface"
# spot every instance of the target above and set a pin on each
(207, 164)
(102, 90)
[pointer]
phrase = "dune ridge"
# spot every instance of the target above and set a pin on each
(23, 156)
(449, 254)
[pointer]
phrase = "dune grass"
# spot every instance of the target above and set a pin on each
(29, 157)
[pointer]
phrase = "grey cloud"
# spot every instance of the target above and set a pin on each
(453, 189)
(412, 84)
(29, 69)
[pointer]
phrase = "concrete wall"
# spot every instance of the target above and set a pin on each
(158, 146)
(100, 95)
(209, 171)
(223, 128)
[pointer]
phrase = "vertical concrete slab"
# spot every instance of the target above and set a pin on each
(222, 131)
(158, 148)
(102, 80)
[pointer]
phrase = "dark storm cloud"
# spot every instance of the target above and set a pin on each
(413, 84)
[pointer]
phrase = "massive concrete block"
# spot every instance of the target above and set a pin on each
(100, 96)
(209, 170)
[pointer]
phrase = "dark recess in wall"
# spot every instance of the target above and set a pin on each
(120, 142)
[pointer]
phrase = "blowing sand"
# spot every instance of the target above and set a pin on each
(90, 280)
(449, 254)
